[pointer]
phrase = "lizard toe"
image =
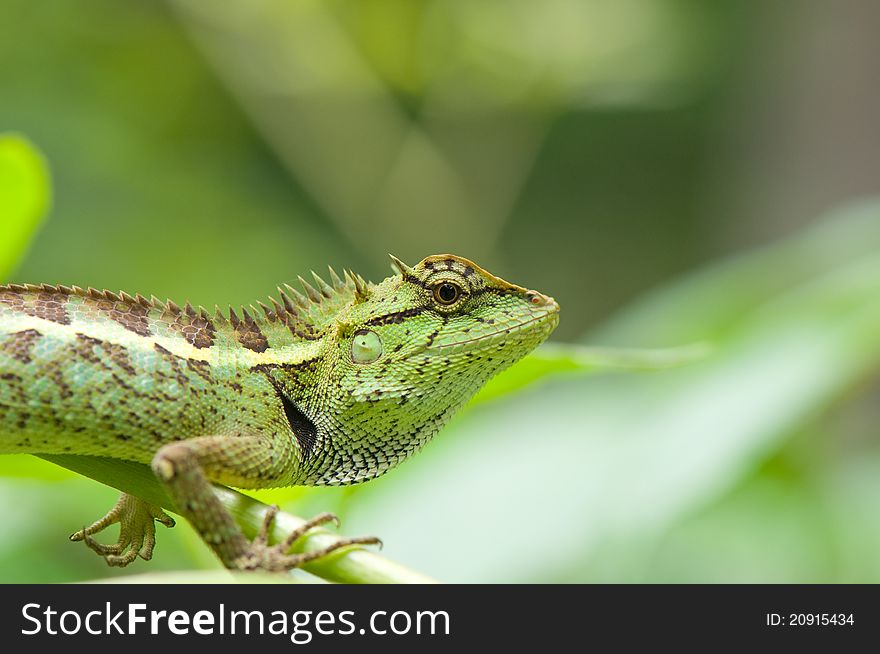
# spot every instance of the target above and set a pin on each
(277, 558)
(104, 550)
(122, 560)
(137, 531)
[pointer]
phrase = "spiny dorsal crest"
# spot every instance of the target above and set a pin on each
(361, 287)
(399, 267)
(78, 291)
(319, 301)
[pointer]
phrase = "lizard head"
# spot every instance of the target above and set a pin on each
(409, 351)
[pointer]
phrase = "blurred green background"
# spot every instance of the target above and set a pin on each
(673, 172)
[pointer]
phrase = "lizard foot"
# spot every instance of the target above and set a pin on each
(275, 558)
(137, 531)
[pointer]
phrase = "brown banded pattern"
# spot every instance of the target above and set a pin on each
(36, 301)
(128, 312)
(195, 327)
(248, 332)
(18, 345)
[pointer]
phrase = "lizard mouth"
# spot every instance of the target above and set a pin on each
(540, 326)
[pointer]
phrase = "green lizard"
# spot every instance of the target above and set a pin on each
(335, 385)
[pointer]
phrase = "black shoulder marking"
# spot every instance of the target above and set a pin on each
(304, 430)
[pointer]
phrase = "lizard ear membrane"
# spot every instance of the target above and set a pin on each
(399, 267)
(366, 346)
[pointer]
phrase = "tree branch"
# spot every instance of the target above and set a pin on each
(350, 565)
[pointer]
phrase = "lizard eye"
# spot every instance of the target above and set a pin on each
(446, 293)
(366, 346)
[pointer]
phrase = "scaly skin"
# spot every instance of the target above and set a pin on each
(334, 386)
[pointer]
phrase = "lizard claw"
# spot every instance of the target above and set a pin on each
(137, 531)
(275, 558)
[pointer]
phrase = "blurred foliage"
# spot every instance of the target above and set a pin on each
(656, 165)
(24, 197)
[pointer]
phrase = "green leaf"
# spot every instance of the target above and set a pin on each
(553, 359)
(24, 198)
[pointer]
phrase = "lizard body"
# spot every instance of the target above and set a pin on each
(335, 385)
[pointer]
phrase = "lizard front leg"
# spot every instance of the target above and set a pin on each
(137, 531)
(182, 467)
